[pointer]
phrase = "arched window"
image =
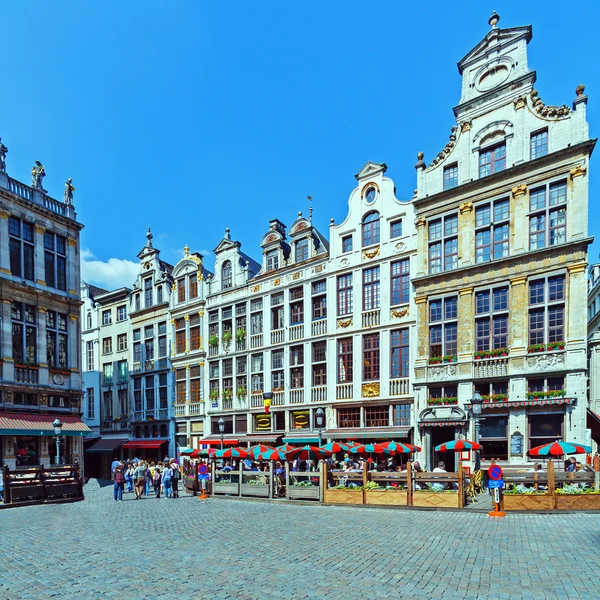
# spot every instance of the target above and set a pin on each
(301, 250)
(146, 431)
(163, 431)
(89, 320)
(370, 229)
(226, 275)
(138, 432)
(154, 430)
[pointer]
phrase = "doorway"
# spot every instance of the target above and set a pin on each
(440, 435)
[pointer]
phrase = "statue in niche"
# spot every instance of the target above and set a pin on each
(3, 151)
(37, 175)
(69, 189)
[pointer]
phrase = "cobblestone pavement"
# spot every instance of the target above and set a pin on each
(228, 549)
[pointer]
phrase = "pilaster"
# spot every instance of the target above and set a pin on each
(577, 302)
(465, 323)
(519, 315)
(466, 229)
(519, 223)
(40, 268)
(4, 248)
(422, 328)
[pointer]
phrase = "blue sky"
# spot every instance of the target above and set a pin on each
(194, 116)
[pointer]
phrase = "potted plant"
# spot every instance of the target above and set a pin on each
(388, 495)
(556, 346)
(213, 340)
(227, 394)
(241, 391)
(227, 337)
(255, 485)
(240, 335)
(522, 497)
(435, 360)
(303, 490)
(344, 494)
(536, 348)
(214, 394)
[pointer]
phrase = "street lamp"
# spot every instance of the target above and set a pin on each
(476, 405)
(320, 416)
(221, 429)
(57, 424)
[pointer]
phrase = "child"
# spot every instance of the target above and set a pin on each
(156, 479)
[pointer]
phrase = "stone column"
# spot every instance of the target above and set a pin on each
(186, 318)
(187, 385)
(4, 247)
(577, 296)
(421, 257)
(466, 239)
(42, 352)
(73, 268)
(74, 358)
(465, 324)
(422, 328)
(577, 220)
(6, 349)
(40, 265)
(519, 316)
(519, 222)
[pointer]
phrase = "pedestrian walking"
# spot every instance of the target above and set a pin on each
(130, 477)
(156, 481)
(175, 479)
(140, 480)
(119, 484)
(167, 477)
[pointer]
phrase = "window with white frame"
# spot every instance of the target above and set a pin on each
(301, 250)
(491, 319)
(106, 317)
(272, 260)
(443, 244)
(443, 327)
(371, 289)
(492, 160)
(370, 229)
(106, 345)
(296, 366)
(122, 342)
(122, 313)
(539, 144)
(492, 230)
(400, 280)
(89, 347)
(399, 353)
(24, 333)
(226, 275)
(547, 310)
(396, 229)
(148, 292)
(548, 215)
(451, 176)
(319, 366)
(91, 409)
(344, 294)
(277, 371)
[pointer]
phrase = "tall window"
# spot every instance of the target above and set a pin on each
(123, 370)
(55, 260)
(277, 321)
(277, 372)
(137, 347)
(319, 300)
(180, 386)
(89, 346)
(443, 327)
(194, 332)
(491, 230)
(148, 292)
(159, 294)
(345, 358)
(106, 317)
(548, 215)
(539, 144)
(195, 384)
(396, 229)
(106, 345)
(150, 398)
(371, 357)
(193, 286)
(399, 353)
(296, 367)
(319, 359)
(443, 244)
(21, 246)
(57, 340)
(492, 160)
(107, 371)
(181, 290)
(491, 319)
(272, 260)
(400, 271)
(370, 229)
(297, 306)
(450, 176)
(344, 294)
(256, 323)
(137, 394)
(121, 342)
(122, 313)
(547, 310)
(180, 335)
(24, 333)
(90, 403)
(301, 250)
(162, 339)
(226, 275)
(347, 243)
(371, 289)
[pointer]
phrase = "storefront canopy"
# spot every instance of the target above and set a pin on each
(216, 441)
(106, 445)
(359, 433)
(156, 443)
(301, 440)
(35, 424)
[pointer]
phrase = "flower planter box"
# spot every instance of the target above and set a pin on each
(297, 492)
(577, 501)
(345, 496)
(226, 488)
(436, 499)
(260, 490)
(386, 497)
(528, 502)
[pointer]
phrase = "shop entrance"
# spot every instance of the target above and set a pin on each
(439, 435)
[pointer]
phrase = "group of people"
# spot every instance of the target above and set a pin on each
(142, 477)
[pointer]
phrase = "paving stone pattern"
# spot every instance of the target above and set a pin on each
(229, 549)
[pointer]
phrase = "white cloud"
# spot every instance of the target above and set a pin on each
(111, 274)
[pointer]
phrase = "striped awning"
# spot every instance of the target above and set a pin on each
(441, 423)
(145, 443)
(362, 433)
(518, 403)
(36, 424)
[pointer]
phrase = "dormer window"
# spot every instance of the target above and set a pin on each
(193, 286)
(272, 260)
(539, 144)
(492, 160)
(450, 176)
(89, 320)
(370, 229)
(181, 290)
(301, 250)
(226, 276)
(148, 292)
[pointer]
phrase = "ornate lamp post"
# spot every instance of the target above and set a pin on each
(221, 429)
(476, 405)
(57, 424)
(320, 417)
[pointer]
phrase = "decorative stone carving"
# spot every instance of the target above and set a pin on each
(444, 372)
(69, 189)
(71, 242)
(277, 281)
(578, 171)
(370, 390)
(58, 379)
(296, 276)
(447, 148)
(256, 288)
(420, 222)
(3, 151)
(519, 103)
(441, 413)
(318, 269)
(8, 396)
(398, 314)
(344, 323)
(466, 207)
(344, 262)
(186, 317)
(544, 362)
(371, 253)
(466, 126)
(399, 246)
(519, 190)
(37, 175)
(552, 112)
(44, 399)
(4, 215)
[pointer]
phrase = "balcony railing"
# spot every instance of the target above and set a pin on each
(277, 336)
(196, 408)
(349, 423)
(227, 403)
(256, 400)
(344, 391)
(319, 394)
(296, 332)
(370, 318)
(278, 398)
(297, 396)
(25, 374)
(240, 346)
(213, 350)
(491, 367)
(39, 197)
(399, 387)
(180, 410)
(256, 341)
(319, 327)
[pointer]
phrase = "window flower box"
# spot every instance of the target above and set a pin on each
(435, 360)
(495, 397)
(496, 353)
(449, 358)
(445, 499)
(544, 395)
(344, 495)
(555, 346)
(213, 340)
(442, 401)
(533, 348)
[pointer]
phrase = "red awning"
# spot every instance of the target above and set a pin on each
(36, 424)
(144, 443)
(216, 441)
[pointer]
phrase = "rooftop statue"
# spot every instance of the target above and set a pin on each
(3, 151)
(37, 175)
(69, 189)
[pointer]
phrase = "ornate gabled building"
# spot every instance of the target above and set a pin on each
(500, 275)
(40, 372)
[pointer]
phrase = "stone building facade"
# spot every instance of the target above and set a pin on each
(40, 372)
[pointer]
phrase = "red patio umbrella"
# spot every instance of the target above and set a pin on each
(254, 451)
(399, 447)
(231, 453)
(369, 449)
(559, 448)
(458, 446)
(308, 453)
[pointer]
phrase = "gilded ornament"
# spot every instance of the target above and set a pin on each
(74, 317)
(201, 313)
(40, 282)
(466, 207)
(277, 281)
(371, 253)
(344, 322)
(578, 171)
(186, 317)
(172, 321)
(186, 251)
(420, 222)
(40, 229)
(317, 269)
(400, 313)
(466, 126)
(71, 242)
(44, 399)
(577, 268)
(296, 276)
(519, 103)
(519, 190)
(74, 292)
(174, 287)
(370, 390)
(256, 288)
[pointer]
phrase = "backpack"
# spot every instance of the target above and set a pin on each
(119, 477)
(176, 473)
